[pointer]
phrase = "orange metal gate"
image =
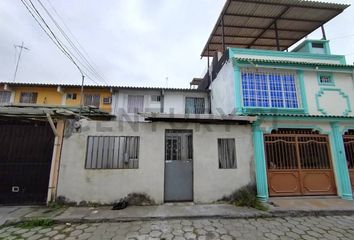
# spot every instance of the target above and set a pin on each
(299, 163)
(348, 139)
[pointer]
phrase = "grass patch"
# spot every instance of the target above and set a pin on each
(55, 205)
(35, 223)
(246, 197)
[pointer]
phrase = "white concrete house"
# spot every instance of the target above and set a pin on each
(129, 101)
(262, 114)
(169, 161)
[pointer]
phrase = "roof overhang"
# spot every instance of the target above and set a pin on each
(41, 111)
(271, 62)
(198, 118)
(261, 24)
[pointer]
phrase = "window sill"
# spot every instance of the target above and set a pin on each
(257, 110)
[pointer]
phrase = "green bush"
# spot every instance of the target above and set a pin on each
(246, 197)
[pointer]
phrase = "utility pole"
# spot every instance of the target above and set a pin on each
(19, 57)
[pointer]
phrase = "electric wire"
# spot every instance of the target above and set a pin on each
(51, 35)
(76, 49)
(62, 45)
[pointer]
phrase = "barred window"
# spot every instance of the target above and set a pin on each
(269, 89)
(195, 105)
(28, 97)
(155, 98)
(227, 153)
(112, 152)
(179, 145)
(5, 97)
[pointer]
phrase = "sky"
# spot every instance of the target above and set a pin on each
(129, 42)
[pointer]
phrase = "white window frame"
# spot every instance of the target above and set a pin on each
(268, 72)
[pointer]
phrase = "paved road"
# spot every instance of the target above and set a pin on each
(307, 228)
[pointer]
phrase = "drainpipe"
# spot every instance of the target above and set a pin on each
(162, 101)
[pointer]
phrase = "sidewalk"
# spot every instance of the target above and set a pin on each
(278, 207)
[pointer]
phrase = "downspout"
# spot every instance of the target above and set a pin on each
(162, 102)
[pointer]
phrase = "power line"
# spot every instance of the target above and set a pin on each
(58, 43)
(84, 54)
(49, 32)
(89, 67)
(51, 35)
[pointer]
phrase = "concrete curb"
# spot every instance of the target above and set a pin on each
(269, 214)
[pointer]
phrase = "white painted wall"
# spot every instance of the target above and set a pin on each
(222, 91)
(107, 186)
(331, 101)
(323, 127)
(175, 101)
(120, 102)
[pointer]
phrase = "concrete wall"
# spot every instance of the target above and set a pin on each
(105, 186)
(120, 103)
(173, 101)
(332, 100)
(51, 96)
(222, 91)
(176, 101)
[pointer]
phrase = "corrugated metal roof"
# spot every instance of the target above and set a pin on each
(301, 115)
(97, 86)
(255, 60)
(40, 111)
(251, 23)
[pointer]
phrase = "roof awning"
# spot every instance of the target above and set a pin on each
(268, 24)
(197, 118)
(295, 62)
(40, 111)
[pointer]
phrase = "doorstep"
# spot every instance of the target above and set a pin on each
(317, 205)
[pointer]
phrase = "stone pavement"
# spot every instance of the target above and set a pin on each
(307, 228)
(279, 207)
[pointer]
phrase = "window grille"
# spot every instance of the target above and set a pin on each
(227, 153)
(179, 145)
(195, 105)
(156, 98)
(112, 152)
(269, 89)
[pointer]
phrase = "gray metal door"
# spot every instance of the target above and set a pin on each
(178, 166)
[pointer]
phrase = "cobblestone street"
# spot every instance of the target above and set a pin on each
(334, 227)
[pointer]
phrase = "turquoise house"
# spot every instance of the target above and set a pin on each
(304, 134)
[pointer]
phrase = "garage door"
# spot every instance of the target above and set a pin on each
(299, 163)
(348, 139)
(25, 160)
